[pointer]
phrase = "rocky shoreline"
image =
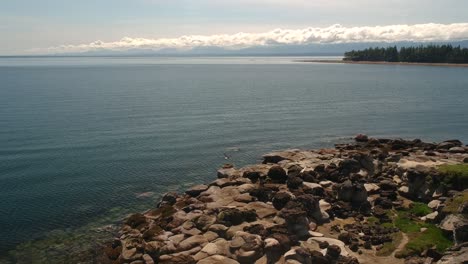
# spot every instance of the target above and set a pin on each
(369, 201)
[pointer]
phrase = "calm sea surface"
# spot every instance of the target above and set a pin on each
(81, 138)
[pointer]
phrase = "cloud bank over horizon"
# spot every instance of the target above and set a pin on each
(334, 34)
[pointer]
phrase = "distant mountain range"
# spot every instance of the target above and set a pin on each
(272, 50)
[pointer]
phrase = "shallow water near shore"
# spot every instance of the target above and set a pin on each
(84, 141)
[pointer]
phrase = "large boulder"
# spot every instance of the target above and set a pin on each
(348, 166)
(280, 199)
(196, 190)
(192, 242)
(355, 193)
(296, 219)
(418, 187)
(361, 138)
(277, 174)
(234, 216)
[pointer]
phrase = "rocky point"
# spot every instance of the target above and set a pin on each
(369, 201)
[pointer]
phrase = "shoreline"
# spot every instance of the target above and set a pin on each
(463, 65)
(359, 202)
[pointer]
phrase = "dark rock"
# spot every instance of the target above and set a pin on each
(320, 168)
(361, 138)
(196, 190)
(318, 258)
(457, 150)
(294, 170)
(262, 194)
(272, 159)
(355, 193)
(309, 176)
(311, 206)
(333, 251)
(345, 237)
(277, 174)
(387, 185)
(417, 185)
(294, 182)
(257, 229)
(280, 200)
(323, 244)
(234, 216)
(460, 231)
(169, 198)
(348, 166)
(296, 219)
(136, 220)
(446, 145)
(367, 245)
(252, 175)
(354, 246)
(284, 241)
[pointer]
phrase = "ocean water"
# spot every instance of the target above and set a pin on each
(82, 138)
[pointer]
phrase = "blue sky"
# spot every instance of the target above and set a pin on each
(33, 24)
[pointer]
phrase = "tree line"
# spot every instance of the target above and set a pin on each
(427, 54)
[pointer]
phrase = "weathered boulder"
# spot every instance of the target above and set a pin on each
(196, 190)
(294, 182)
(355, 193)
(227, 173)
(312, 207)
(457, 150)
(418, 187)
(203, 222)
(460, 231)
(234, 216)
(169, 198)
(253, 176)
(277, 174)
(361, 138)
(262, 194)
(294, 170)
(272, 249)
(219, 229)
(296, 219)
(246, 248)
(136, 220)
(280, 199)
(348, 166)
(192, 242)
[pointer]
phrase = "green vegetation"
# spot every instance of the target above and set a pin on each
(419, 241)
(455, 175)
(420, 209)
(421, 54)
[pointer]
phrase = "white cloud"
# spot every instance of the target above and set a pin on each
(332, 34)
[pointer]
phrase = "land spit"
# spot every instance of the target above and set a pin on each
(369, 201)
(388, 63)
